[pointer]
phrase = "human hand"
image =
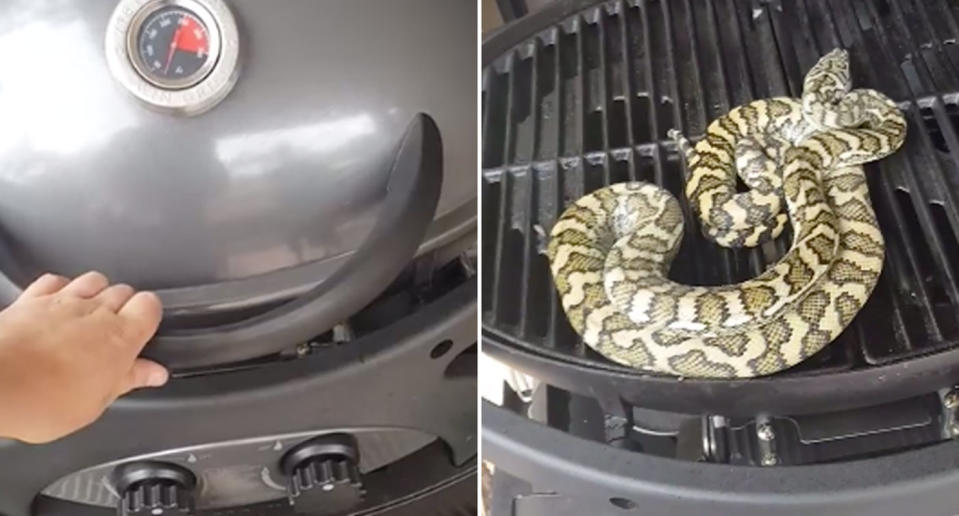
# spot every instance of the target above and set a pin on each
(68, 349)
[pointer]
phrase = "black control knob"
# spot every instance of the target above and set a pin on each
(324, 476)
(154, 489)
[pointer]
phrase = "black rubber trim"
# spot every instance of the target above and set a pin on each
(413, 192)
(586, 475)
(614, 385)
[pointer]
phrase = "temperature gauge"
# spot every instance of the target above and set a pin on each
(176, 55)
(173, 47)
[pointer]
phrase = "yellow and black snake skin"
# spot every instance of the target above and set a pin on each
(610, 251)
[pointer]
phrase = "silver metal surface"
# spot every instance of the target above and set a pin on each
(765, 432)
(766, 441)
(259, 198)
(950, 412)
(233, 473)
(951, 399)
(714, 429)
(194, 95)
(522, 384)
(769, 459)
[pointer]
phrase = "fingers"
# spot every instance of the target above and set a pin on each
(45, 285)
(142, 313)
(144, 373)
(115, 296)
(87, 285)
(90, 285)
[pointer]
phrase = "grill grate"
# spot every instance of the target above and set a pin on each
(587, 102)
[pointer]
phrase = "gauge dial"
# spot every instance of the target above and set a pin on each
(176, 56)
(173, 47)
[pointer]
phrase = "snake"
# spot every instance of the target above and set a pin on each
(801, 160)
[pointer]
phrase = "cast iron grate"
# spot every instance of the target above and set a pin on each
(587, 102)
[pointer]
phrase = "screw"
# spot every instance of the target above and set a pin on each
(951, 399)
(765, 432)
(769, 460)
(303, 349)
(954, 428)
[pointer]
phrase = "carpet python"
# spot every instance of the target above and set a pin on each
(610, 251)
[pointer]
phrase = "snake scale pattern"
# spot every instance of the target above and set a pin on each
(801, 159)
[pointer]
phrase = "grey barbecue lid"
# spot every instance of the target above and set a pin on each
(265, 194)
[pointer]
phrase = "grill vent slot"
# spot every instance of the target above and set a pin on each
(522, 118)
(922, 257)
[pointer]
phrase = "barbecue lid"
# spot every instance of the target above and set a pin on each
(259, 198)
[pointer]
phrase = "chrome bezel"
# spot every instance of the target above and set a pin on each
(189, 96)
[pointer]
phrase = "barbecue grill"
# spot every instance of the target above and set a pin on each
(580, 95)
(307, 215)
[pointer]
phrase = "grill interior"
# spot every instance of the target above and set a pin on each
(587, 102)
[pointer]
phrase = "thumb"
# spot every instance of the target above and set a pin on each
(144, 373)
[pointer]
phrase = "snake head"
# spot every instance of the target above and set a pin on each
(828, 80)
(837, 57)
(826, 84)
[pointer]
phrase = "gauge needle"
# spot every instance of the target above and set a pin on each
(173, 46)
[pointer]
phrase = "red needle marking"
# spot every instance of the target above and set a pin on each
(193, 38)
(173, 47)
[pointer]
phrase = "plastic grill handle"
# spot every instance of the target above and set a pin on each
(413, 191)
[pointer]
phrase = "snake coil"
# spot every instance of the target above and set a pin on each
(610, 251)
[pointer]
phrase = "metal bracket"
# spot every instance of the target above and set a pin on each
(716, 438)
(950, 404)
(523, 384)
(766, 440)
